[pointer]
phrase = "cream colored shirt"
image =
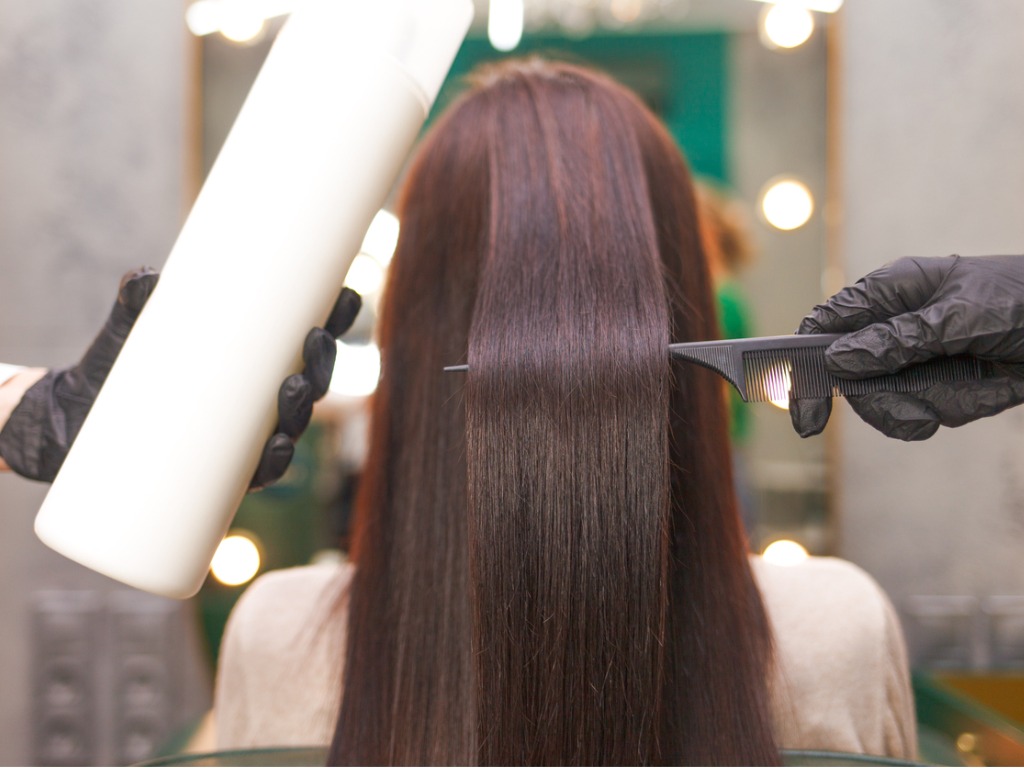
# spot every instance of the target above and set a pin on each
(840, 681)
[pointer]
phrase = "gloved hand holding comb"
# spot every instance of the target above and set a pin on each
(913, 310)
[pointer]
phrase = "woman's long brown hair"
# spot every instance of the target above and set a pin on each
(550, 567)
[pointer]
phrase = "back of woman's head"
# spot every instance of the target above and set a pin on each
(550, 566)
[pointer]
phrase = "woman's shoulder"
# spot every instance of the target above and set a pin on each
(841, 679)
(825, 610)
(301, 583)
(280, 659)
(819, 583)
(281, 603)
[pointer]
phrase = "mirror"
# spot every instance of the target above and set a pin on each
(748, 113)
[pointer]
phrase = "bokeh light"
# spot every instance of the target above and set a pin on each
(785, 25)
(382, 237)
(785, 552)
(237, 560)
(787, 204)
(365, 275)
(505, 19)
(357, 370)
(779, 380)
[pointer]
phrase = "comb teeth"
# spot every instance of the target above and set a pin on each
(778, 374)
(772, 374)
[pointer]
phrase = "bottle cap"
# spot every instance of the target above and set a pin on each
(421, 35)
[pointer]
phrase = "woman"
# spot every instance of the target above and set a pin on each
(549, 564)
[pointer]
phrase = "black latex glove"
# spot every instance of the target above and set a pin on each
(35, 440)
(910, 311)
(299, 391)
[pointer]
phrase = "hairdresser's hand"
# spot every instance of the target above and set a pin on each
(36, 437)
(910, 311)
(43, 424)
(299, 391)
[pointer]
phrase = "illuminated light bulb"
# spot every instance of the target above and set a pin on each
(236, 561)
(505, 24)
(577, 17)
(785, 25)
(357, 370)
(626, 11)
(203, 17)
(268, 9)
(787, 204)
(382, 237)
(240, 21)
(784, 552)
(966, 742)
(243, 27)
(825, 6)
(365, 275)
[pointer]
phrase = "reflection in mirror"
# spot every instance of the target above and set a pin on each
(742, 87)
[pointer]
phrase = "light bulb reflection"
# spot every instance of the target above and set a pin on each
(777, 383)
(237, 560)
(626, 11)
(242, 28)
(825, 6)
(505, 20)
(357, 370)
(785, 552)
(240, 21)
(203, 18)
(382, 237)
(785, 25)
(365, 276)
(787, 204)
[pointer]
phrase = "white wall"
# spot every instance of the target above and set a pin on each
(932, 163)
(92, 183)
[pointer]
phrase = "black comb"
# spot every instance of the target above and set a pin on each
(778, 368)
(782, 367)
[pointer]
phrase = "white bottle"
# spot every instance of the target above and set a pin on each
(163, 460)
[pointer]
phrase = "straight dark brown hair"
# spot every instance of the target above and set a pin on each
(550, 567)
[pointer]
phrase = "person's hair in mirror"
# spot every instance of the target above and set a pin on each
(550, 567)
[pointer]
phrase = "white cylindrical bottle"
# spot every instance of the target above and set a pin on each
(164, 458)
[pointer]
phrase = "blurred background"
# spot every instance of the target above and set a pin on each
(828, 138)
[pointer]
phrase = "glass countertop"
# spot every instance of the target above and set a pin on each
(317, 756)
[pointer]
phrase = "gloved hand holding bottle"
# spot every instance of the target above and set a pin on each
(910, 311)
(41, 427)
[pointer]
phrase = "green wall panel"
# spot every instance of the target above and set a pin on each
(682, 77)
